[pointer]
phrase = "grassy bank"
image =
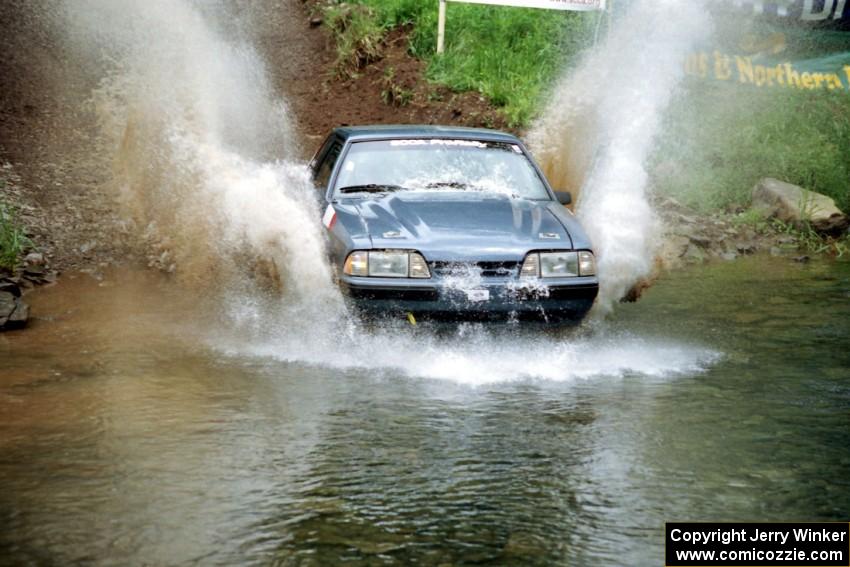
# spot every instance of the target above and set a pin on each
(721, 139)
(511, 55)
(13, 240)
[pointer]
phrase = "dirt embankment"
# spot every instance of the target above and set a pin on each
(392, 90)
(47, 167)
(54, 169)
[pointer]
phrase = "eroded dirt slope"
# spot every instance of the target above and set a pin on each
(59, 175)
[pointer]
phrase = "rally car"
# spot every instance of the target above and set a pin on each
(450, 222)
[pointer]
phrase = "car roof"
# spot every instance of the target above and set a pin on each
(384, 132)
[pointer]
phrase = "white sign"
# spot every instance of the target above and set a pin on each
(581, 5)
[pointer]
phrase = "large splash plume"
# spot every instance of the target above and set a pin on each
(206, 168)
(597, 132)
(203, 147)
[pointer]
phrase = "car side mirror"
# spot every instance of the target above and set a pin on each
(564, 197)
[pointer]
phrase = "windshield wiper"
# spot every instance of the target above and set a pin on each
(371, 188)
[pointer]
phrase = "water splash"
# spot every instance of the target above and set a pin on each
(476, 355)
(598, 131)
(206, 168)
(204, 149)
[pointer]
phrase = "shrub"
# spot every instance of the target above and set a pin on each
(721, 139)
(13, 239)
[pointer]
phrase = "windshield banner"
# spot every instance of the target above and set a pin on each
(577, 5)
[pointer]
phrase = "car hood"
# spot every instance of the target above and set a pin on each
(463, 226)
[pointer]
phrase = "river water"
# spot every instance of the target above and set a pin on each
(130, 434)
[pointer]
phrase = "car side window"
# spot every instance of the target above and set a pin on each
(323, 173)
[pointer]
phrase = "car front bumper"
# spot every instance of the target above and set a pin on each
(558, 299)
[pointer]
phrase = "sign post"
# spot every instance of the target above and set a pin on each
(575, 5)
(441, 28)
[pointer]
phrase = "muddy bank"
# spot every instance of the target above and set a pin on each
(56, 170)
(391, 89)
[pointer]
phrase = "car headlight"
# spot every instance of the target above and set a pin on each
(531, 266)
(357, 264)
(586, 263)
(558, 265)
(386, 264)
(418, 266)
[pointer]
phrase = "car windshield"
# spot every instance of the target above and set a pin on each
(439, 165)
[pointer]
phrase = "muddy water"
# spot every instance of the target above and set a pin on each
(130, 434)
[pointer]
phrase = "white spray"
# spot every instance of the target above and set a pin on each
(204, 151)
(598, 132)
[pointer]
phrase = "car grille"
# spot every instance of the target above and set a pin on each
(481, 269)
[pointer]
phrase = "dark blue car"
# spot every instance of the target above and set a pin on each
(449, 222)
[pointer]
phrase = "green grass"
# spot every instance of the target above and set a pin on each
(809, 240)
(357, 34)
(720, 140)
(510, 55)
(13, 239)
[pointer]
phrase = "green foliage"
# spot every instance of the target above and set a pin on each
(721, 139)
(13, 239)
(810, 240)
(752, 218)
(392, 93)
(358, 36)
(510, 55)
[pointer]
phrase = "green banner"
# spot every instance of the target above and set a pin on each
(831, 72)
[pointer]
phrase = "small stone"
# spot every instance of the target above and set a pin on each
(745, 247)
(693, 254)
(34, 259)
(801, 259)
(775, 251)
(315, 22)
(729, 256)
(10, 287)
(701, 240)
(7, 306)
(19, 317)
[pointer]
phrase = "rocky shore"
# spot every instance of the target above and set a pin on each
(33, 271)
(783, 220)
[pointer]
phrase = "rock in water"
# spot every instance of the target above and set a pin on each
(794, 204)
(10, 287)
(14, 313)
(7, 306)
(19, 317)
